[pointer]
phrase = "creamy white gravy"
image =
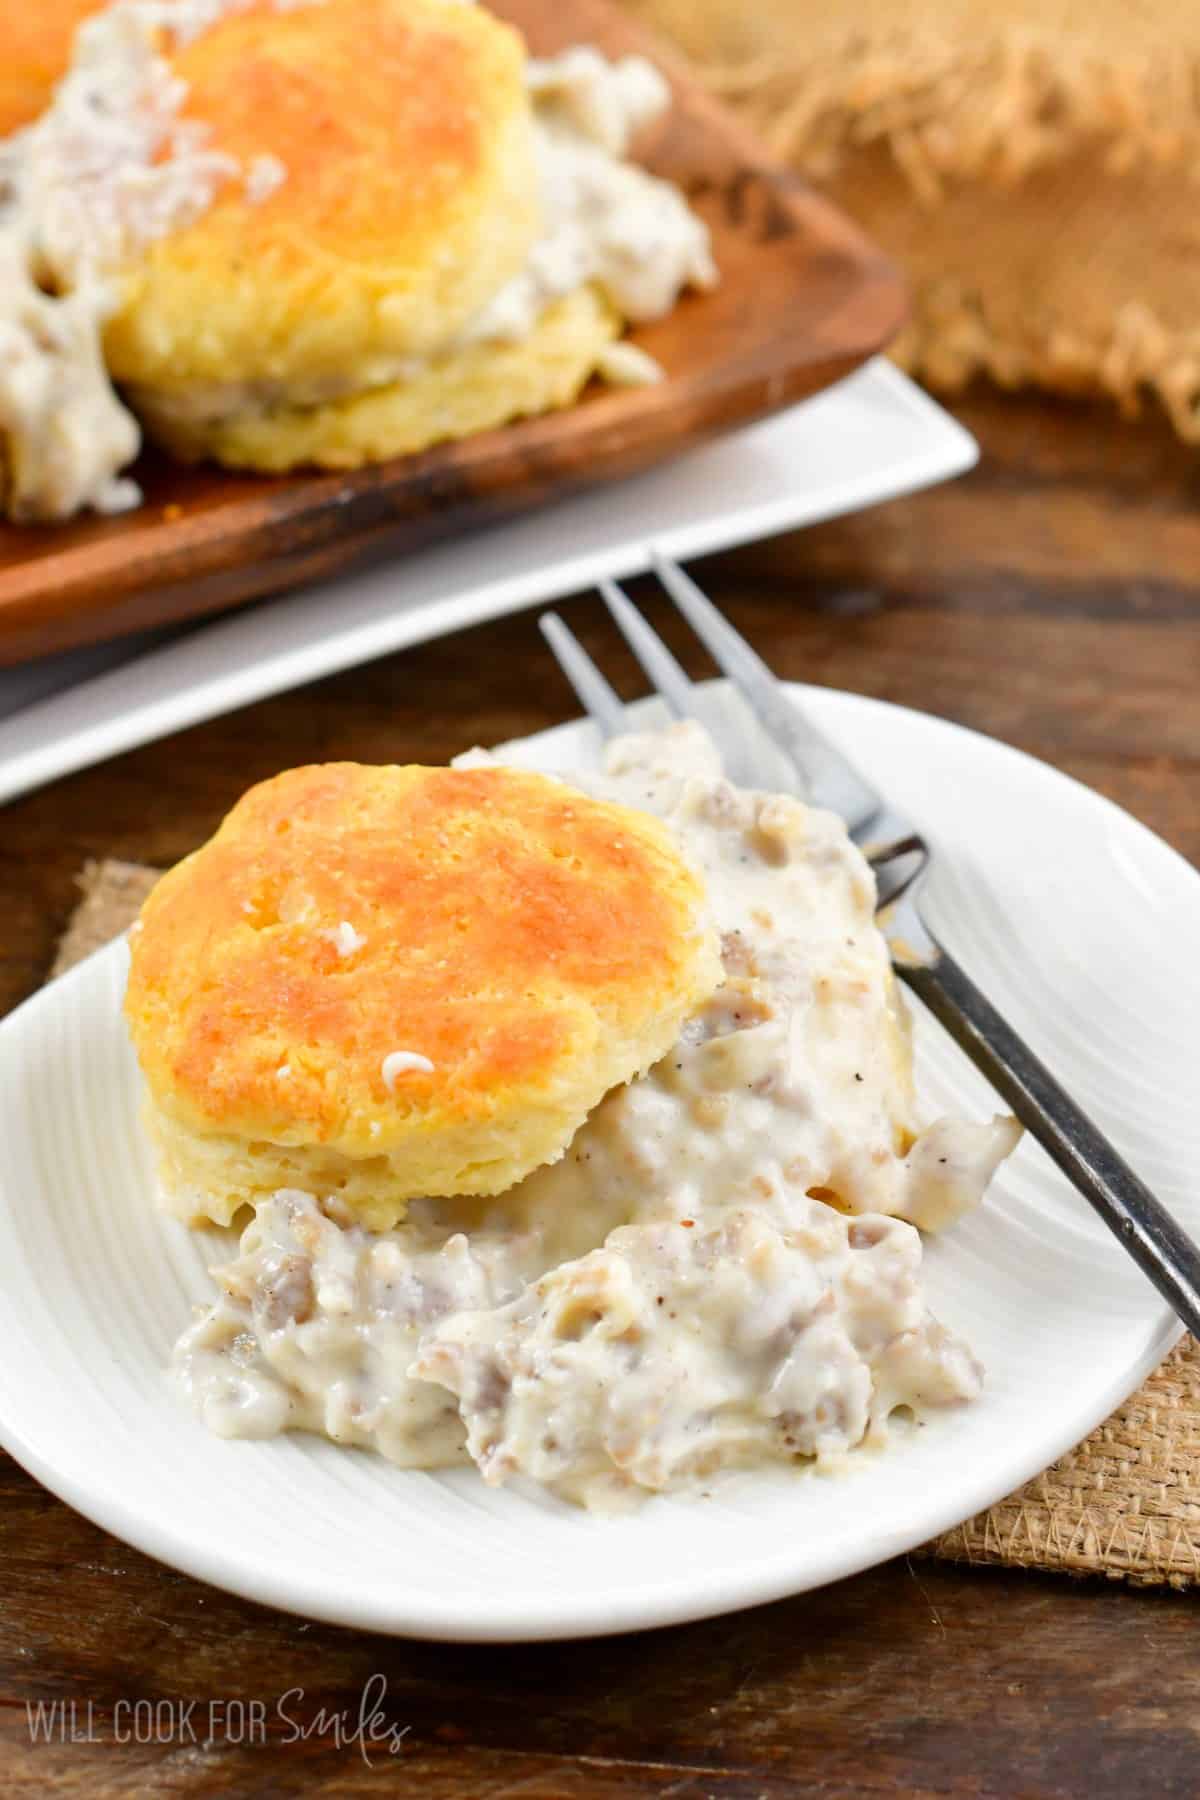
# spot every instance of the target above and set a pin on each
(606, 220)
(720, 1271)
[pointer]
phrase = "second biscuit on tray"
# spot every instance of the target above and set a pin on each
(445, 237)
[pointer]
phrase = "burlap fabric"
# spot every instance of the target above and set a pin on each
(1126, 1503)
(1034, 165)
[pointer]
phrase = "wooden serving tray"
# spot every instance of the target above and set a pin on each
(803, 299)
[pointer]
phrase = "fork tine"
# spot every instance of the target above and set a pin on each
(659, 665)
(675, 689)
(832, 781)
(600, 701)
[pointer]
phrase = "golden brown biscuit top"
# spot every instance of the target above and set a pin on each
(491, 921)
(377, 109)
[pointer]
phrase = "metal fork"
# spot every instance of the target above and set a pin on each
(900, 858)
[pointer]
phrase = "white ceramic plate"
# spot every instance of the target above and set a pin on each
(869, 438)
(1085, 928)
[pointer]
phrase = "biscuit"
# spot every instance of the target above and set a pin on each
(388, 982)
(403, 137)
(468, 390)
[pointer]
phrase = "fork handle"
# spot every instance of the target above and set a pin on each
(1156, 1242)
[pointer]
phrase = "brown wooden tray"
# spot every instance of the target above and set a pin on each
(803, 300)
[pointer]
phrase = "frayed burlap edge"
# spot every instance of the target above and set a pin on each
(1125, 1503)
(949, 339)
(992, 108)
(112, 896)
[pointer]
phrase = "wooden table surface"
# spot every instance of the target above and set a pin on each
(1051, 598)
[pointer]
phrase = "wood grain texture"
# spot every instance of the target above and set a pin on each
(1051, 597)
(802, 300)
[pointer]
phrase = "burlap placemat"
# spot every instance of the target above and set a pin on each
(1125, 1503)
(1030, 164)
